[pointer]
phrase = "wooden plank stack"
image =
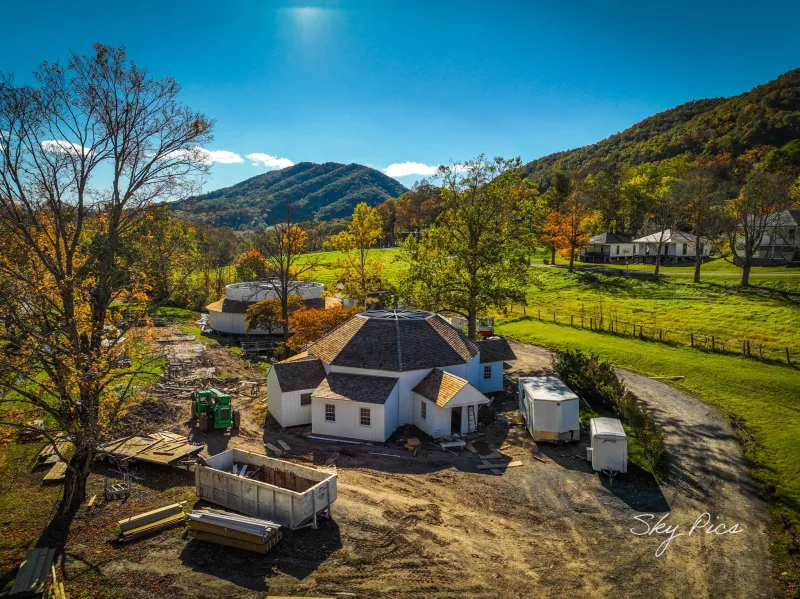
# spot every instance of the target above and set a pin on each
(233, 530)
(150, 522)
(33, 572)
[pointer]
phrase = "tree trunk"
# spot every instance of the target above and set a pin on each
(658, 260)
(571, 258)
(746, 274)
(472, 324)
(553, 255)
(75, 483)
(698, 260)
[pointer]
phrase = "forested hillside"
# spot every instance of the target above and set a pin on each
(768, 115)
(323, 191)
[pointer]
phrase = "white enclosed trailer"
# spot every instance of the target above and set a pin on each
(283, 492)
(608, 449)
(550, 409)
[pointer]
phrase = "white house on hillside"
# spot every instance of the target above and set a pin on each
(386, 368)
(676, 246)
(608, 247)
(780, 241)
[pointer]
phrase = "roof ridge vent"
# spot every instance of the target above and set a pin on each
(399, 346)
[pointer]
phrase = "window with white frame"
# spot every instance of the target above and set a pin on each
(365, 417)
(618, 250)
(685, 248)
(423, 410)
(330, 412)
(487, 372)
(305, 399)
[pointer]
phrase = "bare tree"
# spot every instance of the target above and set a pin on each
(82, 154)
(282, 246)
(754, 212)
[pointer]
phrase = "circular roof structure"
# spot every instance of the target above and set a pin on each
(397, 314)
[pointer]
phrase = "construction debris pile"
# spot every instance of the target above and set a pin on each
(226, 528)
(160, 448)
(272, 476)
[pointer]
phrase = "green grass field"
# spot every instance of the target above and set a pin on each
(766, 316)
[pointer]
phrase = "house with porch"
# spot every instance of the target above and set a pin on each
(676, 246)
(780, 239)
(608, 247)
(386, 368)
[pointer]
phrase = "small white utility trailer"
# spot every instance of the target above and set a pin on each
(608, 449)
(550, 409)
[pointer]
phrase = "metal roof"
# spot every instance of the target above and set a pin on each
(547, 388)
(607, 427)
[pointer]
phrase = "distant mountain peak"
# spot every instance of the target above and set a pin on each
(324, 191)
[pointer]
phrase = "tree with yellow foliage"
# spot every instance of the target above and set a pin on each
(360, 269)
(83, 154)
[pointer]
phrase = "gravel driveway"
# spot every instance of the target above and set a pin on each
(707, 474)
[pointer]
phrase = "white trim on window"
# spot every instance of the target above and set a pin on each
(487, 372)
(365, 418)
(423, 410)
(305, 399)
(330, 412)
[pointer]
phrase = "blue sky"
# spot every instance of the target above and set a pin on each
(384, 83)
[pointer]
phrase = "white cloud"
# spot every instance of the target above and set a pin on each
(221, 156)
(203, 156)
(404, 169)
(62, 146)
(269, 161)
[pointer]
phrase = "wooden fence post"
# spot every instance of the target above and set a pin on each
(712, 343)
(748, 348)
(554, 316)
(660, 334)
(591, 323)
(691, 338)
(571, 323)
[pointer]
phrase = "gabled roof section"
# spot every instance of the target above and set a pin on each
(440, 386)
(298, 374)
(609, 238)
(396, 341)
(785, 218)
(669, 236)
(495, 349)
(355, 387)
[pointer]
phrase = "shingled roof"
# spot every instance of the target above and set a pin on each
(355, 387)
(299, 374)
(395, 340)
(440, 386)
(495, 349)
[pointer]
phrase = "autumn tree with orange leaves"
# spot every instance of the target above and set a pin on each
(309, 325)
(83, 153)
(568, 228)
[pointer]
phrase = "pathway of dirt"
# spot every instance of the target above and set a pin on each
(433, 526)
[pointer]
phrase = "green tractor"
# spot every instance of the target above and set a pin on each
(214, 410)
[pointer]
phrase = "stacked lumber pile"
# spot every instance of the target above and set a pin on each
(233, 530)
(150, 522)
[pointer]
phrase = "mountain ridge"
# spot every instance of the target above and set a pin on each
(767, 115)
(318, 191)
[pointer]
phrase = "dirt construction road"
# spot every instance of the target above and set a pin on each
(434, 526)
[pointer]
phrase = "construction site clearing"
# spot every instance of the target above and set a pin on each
(495, 515)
